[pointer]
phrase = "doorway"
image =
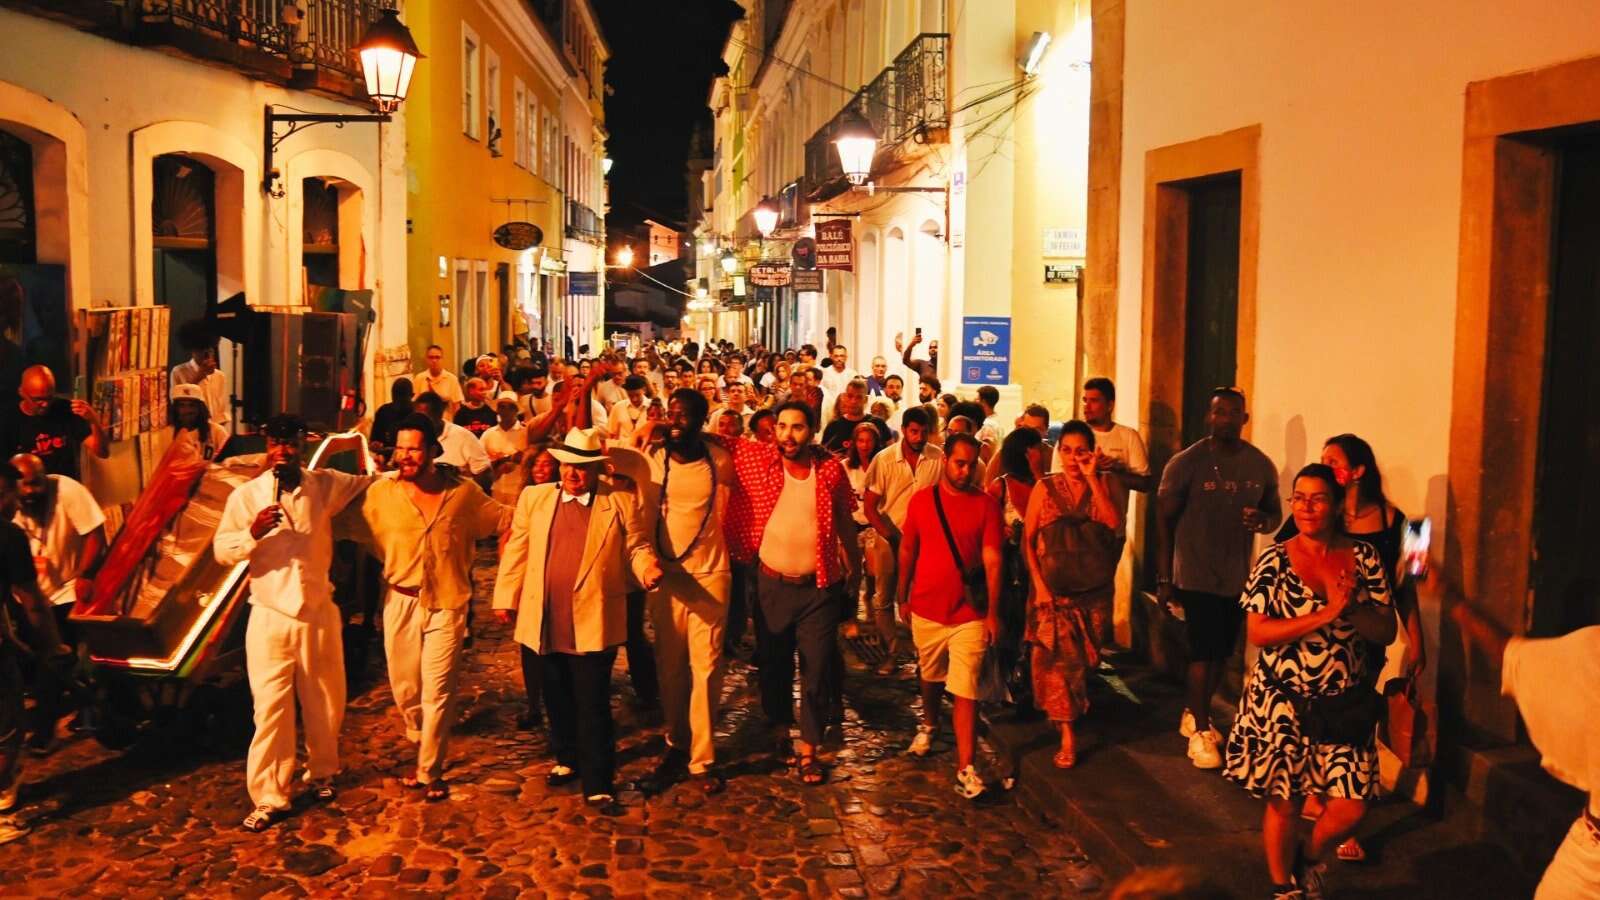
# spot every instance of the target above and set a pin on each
(1565, 573)
(1211, 295)
(184, 242)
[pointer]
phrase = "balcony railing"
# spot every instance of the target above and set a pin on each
(907, 101)
(315, 52)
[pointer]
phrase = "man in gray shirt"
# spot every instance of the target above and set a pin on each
(1215, 497)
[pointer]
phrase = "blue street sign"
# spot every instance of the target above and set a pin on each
(986, 350)
(583, 284)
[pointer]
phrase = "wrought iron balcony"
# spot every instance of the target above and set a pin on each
(311, 49)
(583, 223)
(908, 101)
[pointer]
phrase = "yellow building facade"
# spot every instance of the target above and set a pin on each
(492, 140)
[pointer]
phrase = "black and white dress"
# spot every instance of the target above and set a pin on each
(1266, 753)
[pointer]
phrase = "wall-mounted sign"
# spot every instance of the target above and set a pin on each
(1063, 242)
(738, 285)
(518, 235)
(771, 274)
(986, 350)
(583, 284)
(805, 253)
(1060, 274)
(808, 280)
(835, 247)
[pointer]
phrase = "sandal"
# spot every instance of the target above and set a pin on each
(1065, 759)
(435, 791)
(811, 771)
(1352, 851)
(410, 782)
(323, 790)
(259, 819)
(783, 752)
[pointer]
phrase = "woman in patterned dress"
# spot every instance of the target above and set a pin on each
(1320, 610)
(1062, 629)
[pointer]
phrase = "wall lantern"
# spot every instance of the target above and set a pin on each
(388, 58)
(624, 257)
(729, 262)
(605, 166)
(1034, 53)
(766, 215)
(858, 145)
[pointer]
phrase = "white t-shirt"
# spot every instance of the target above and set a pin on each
(789, 542)
(1560, 720)
(58, 540)
(463, 450)
(500, 443)
(834, 380)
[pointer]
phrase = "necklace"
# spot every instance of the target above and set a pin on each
(711, 505)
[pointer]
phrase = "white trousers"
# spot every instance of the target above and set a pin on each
(423, 647)
(291, 659)
(1574, 873)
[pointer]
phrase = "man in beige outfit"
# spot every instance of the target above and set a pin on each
(423, 525)
(564, 580)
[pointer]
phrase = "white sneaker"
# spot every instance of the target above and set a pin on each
(922, 744)
(1186, 727)
(969, 784)
(1203, 750)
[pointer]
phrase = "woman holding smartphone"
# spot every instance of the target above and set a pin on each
(1319, 608)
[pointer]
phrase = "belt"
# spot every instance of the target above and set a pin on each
(810, 578)
(407, 591)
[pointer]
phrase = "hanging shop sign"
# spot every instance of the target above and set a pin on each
(805, 253)
(518, 236)
(771, 274)
(583, 284)
(835, 247)
(808, 280)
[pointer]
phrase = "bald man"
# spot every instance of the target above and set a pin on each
(51, 427)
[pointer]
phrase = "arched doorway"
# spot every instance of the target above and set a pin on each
(19, 238)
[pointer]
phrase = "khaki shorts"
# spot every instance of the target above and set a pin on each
(952, 654)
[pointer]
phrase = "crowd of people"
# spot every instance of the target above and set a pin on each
(719, 492)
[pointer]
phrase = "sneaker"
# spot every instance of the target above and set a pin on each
(922, 744)
(969, 784)
(1203, 750)
(12, 828)
(260, 818)
(1186, 725)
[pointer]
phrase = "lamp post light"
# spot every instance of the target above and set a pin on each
(766, 216)
(624, 257)
(729, 262)
(857, 143)
(388, 56)
(605, 167)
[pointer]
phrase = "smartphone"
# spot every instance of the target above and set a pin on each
(1414, 548)
(79, 389)
(919, 331)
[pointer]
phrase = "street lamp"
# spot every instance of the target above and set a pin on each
(766, 215)
(605, 166)
(388, 58)
(625, 256)
(729, 262)
(858, 144)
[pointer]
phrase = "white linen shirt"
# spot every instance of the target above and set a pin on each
(288, 567)
(463, 450)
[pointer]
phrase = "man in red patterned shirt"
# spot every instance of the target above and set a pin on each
(802, 564)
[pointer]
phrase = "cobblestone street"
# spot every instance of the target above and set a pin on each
(161, 820)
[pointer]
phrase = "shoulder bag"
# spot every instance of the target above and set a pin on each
(974, 582)
(1076, 554)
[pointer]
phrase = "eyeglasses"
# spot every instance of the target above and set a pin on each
(1310, 500)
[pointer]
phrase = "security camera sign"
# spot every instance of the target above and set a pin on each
(986, 350)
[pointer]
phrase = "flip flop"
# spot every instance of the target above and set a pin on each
(436, 791)
(1352, 851)
(811, 772)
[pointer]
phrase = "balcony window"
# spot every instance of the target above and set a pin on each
(471, 93)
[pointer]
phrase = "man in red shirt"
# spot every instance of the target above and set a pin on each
(952, 530)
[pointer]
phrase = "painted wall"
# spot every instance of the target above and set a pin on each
(135, 103)
(452, 178)
(1361, 114)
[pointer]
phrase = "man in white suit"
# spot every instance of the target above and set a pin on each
(563, 581)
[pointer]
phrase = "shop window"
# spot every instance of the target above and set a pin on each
(183, 239)
(19, 237)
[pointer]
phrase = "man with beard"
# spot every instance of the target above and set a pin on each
(892, 477)
(461, 449)
(533, 391)
(423, 525)
(804, 493)
(685, 486)
(50, 427)
(281, 522)
(67, 537)
(17, 581)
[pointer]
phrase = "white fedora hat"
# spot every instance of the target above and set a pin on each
(579, 447)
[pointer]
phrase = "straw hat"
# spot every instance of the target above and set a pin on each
(581, 446)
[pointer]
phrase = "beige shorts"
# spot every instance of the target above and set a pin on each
(952, 654)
